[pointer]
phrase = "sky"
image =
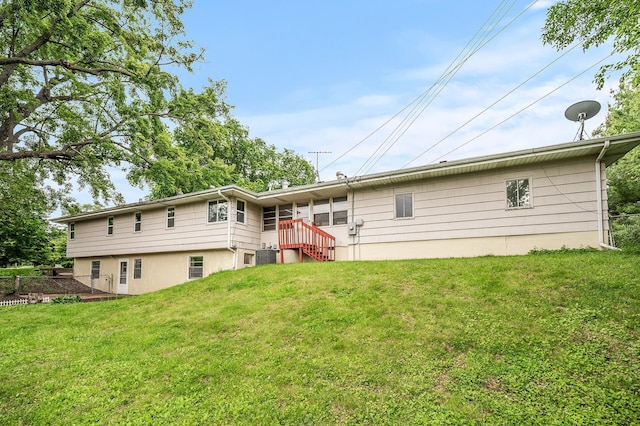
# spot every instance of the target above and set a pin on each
(324, 75)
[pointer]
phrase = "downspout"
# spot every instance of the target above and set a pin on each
(599, 198)
(233, 258)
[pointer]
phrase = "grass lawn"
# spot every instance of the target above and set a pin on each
(538, 339)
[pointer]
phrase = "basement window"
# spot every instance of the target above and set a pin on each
(196, 267)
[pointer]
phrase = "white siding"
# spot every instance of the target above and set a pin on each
(474, 205)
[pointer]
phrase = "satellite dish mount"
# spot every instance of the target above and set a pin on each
(580, 112)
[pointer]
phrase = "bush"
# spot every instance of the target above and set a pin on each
(626, 231)
(66, 299)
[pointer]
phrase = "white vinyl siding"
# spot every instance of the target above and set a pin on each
(473, 205)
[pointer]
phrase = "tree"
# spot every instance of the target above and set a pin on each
(623, 177)
(594, 22)
(88, 84)
(24, 230)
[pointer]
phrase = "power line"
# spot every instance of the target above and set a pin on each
(525, 108)
(492, 105)
(453, 67)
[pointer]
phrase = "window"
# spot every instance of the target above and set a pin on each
(518, 193)
(248, 259)
(269, 218)
(137, 269)
(321, 212)
(340, 215)
(404, 205)
(196, 267)
(110, 225)
(137, 221)
(171, 217)
(95, 269)
(72, 231)
(302, 211)
(240, 211)
(285, 212)
(217, 211)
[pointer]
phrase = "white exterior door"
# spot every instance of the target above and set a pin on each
(123, 276)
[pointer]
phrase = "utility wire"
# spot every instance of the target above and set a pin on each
(419, 99)
(525, 108)
(477, 42)
(566, 52)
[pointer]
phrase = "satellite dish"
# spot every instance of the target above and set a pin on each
(581, 111)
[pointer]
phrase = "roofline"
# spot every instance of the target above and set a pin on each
(531, 155)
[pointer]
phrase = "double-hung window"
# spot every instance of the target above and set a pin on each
(404, 206)
(217, 211)
(240, 211)
(137, 269)
(137, 221)
(72, 231)
(340, 214)
(518, 193)
(171, 217)
(321, 212)
(196, 267)
(110, 225)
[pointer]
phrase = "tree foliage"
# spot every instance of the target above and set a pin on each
(592, 23)
(24, 230)
(623, 177)
(90, 84)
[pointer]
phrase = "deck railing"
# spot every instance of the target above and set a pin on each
(307, 238)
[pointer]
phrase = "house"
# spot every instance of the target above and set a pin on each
(501, 204)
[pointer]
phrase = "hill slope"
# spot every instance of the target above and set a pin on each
(501, 340)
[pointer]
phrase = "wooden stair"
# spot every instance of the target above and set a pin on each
(307, 239)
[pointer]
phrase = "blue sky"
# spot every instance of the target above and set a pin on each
(321, 76)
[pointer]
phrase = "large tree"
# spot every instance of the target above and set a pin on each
(90, 84)
(594, 22)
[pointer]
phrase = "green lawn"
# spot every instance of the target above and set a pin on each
(538, 339)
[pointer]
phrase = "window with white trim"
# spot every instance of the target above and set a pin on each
(321, 212)
(340, 213)
(171, 217)
(196, 267)
(72, 231)
(137, 269)
(240, 211)
(404, 206)
(248, 258)
(110, 225)
(95, 269)
(518, 193)
(217, 211)
(137, 221)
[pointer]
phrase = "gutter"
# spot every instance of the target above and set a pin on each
(601, 242)
(233, 259)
